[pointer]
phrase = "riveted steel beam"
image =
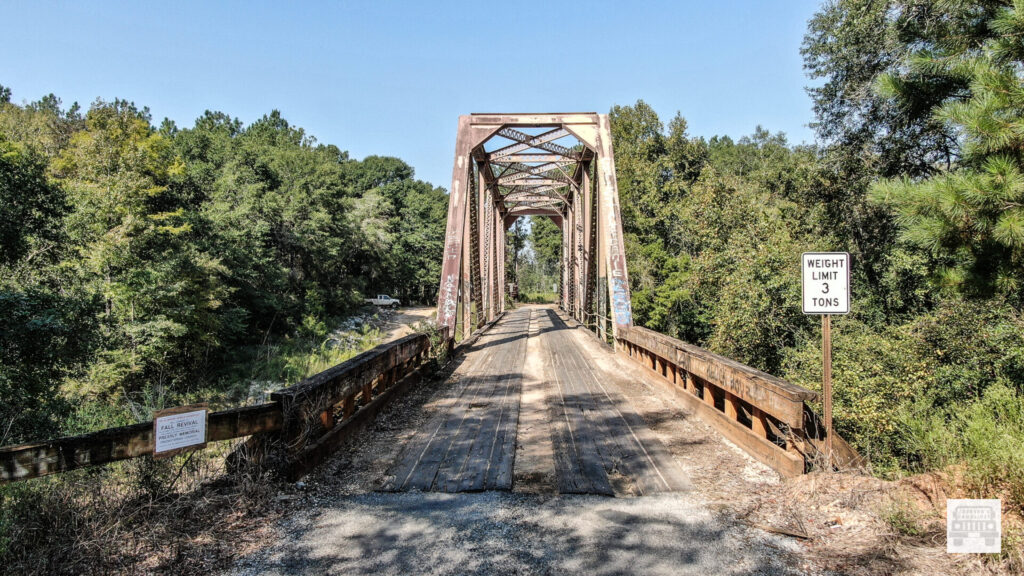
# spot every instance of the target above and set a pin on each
(526, 142)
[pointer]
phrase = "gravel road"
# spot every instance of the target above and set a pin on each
(509, 533)
(339, 524)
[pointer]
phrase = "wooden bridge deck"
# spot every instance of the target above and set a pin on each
(531, 404)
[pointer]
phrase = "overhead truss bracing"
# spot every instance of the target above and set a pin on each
(556, 165)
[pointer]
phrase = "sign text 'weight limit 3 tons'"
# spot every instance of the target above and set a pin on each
(826, 291)
(826, 283)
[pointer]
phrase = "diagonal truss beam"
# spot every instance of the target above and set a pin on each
(531, 181)
(547, 170)
(541, 142)
(526, 141)
(531, 158)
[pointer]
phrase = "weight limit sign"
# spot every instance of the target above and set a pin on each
(826, 282)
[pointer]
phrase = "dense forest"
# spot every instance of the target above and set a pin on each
(919, 174)
(140, 264)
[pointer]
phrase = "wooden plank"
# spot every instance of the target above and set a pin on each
(410, 456)
(499, 475)
(426, 470)
(660, 472)
(470, 450)
(664, 470)
(768, 453)
(420, 466)
(322, 391)
(643, 457)
(569, 476)
(615, 443)
(493, 454)
(582, 434)
(598, 451)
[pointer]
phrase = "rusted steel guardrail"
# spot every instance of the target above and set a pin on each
(310, 418)
(320, 413)
(764, 415)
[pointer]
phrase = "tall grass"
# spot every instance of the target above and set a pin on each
(985, 437)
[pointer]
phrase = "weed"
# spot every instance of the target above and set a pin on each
(903, 520)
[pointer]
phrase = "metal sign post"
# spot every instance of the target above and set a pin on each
(826, 385)
(826, 291)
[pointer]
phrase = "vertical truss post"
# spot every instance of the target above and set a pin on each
(467, 268)
(485, 246)
(563, 301)
(476, 262)
(611, 220)
(583, 243)
(499, 223)
(448, 295)
(492, 259)
(601, 285)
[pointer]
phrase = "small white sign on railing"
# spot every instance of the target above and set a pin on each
(178, 429)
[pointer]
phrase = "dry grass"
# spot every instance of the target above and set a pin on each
(184, 516)
(856, 524)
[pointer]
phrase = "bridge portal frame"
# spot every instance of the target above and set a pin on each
(583, 202)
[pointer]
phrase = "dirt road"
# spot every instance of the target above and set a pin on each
(404, 320)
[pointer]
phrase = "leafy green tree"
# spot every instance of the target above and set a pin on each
(850, 44)
(31, 208)
(540, 268)
(136, 250)
(515, 243)
(546, 241)
(45, 333)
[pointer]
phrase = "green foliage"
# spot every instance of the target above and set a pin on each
(986, 434)
(44, 334)
(970, 217)
(139, 267)
(895, 385)
(31, 208)
(515, 249)
(902, 518)
(539, 260)
(715, 261)
(849, 45)
(539, 297)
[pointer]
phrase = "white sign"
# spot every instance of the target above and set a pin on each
(973, 526)
(826, 281)
(180, 430)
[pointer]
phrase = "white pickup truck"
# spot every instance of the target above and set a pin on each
(383, 300)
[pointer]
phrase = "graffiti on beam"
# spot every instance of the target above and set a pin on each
(448, 297)
(453, 247)
(620, 288)
(620, 302)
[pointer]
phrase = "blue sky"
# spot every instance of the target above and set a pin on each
(391, 78)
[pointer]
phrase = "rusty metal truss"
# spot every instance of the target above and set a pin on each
(555, 165)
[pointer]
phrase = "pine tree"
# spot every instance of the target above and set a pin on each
(970, 216)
